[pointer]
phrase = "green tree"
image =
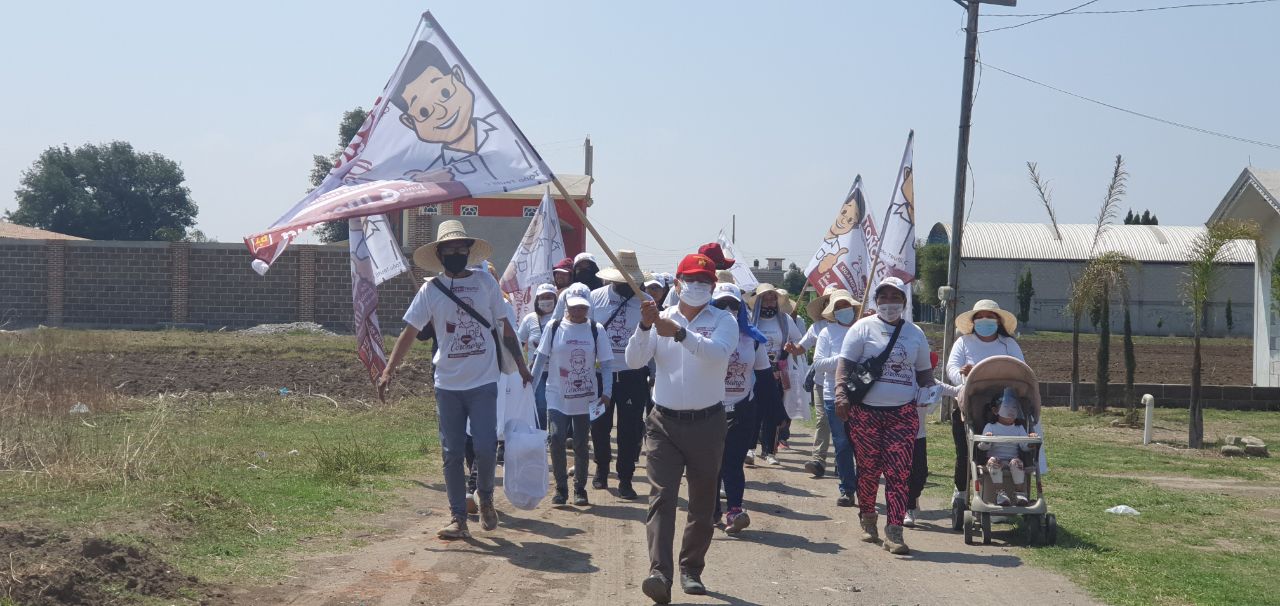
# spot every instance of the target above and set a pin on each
(105, 192)
(793, 280)
(1231, 321)
(1129, 218)
(1203, 274)
(931, 271)
(1026, 290)
(336, 231)
(1103, 278)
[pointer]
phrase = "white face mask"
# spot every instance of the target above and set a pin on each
(695, 294)
(845, 316)
(545, 306)
(889, 312)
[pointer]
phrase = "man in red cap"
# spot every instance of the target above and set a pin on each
(716, 254)
(690, 344)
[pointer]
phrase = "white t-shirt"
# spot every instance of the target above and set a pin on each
(571, 373)
(810, 338)
(779, 330)
(969, 349)
(825, 356)
(740, 377)
(465, 357)
(530, 332)
(604, 301)
(868, 338)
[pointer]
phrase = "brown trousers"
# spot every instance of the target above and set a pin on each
(675, 448)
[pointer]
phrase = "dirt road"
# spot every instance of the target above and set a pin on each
(800, 549)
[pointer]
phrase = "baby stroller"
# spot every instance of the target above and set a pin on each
(989, 379)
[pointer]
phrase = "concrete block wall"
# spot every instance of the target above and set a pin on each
(1223, 397)
(23, 280)
(115, 283)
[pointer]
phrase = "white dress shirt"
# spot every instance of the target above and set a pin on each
(690, 374)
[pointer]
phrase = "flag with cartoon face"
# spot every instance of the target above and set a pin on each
(895, 252)
(435, 134)
(539, 250)
(842, 259)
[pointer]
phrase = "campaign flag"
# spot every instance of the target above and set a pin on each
(842, 260)
(895, 251)
(435, 134)
(364, 291)
(742, 275)
(540, 248)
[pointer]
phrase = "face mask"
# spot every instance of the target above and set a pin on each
(845, 316)
(728, 305)
(768, 312)
(623, 290)
(889, 312)
(584, 276)
(695, 294)
(985, 327)
(454, 263)
(546, 306)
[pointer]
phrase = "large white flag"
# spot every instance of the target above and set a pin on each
(540, 248)
(896, 251)
(842, 260)
(372, 263)
(435, 134)
(742, 275)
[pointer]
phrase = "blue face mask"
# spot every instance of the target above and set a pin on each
(985, 327)
(845, 316)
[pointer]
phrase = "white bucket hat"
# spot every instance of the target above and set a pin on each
(964, 321)
(814, 308)
(450, 231)
(785, 304)
(628, 265)
(840, 294)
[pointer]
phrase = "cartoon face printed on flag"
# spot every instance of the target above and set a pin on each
(905, 206)
(848, 219)
(437, 104)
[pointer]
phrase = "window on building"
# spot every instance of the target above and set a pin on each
(470, 210)
(530, 211)
(433, 209)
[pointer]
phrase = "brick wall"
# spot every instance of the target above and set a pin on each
(225, 291)
(23, 278)
(1223, 397)
(115, 283)
(333, 292)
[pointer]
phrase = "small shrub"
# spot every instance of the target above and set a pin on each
(349, 463)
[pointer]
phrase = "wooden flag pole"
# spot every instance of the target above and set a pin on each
(573, 204)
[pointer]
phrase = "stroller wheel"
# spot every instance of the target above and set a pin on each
(957, 515)
(1051, 529)
(986, 529)
(1033, 524)
(968, 528)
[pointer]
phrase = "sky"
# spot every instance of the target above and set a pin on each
(698, 111)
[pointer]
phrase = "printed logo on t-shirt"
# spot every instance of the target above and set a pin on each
(578, 380)
(468, 336)
(617, 332)
(735, 378)
(898, 368)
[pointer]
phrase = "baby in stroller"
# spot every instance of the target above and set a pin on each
(1007, 455)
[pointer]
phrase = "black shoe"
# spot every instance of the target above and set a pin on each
(657, 588)
(625, 490)
(600, 482)
(845, 500)
(561, 498)
(815, 468)
(692, 585)
(580, 498)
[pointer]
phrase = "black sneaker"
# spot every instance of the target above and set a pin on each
(815, 469)
(657, 588)
(580, 498)
(625, 490)
(561, 498)
(845, 500)
(600, 482)
(692, 584)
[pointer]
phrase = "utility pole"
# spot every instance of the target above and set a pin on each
(589, 155)
(950, 293)
(733, 238)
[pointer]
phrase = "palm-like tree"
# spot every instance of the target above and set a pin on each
(1202, 278)
(1103, 278)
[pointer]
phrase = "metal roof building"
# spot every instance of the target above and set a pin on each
(1037, 241)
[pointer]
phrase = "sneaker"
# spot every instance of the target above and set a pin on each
(657, 588)
(625, 490)
(1021, 500)
(580, 498)
(473, 506)
(750, 461)
(457, 529)
(909, 520)
(488, 516)
(572, 470)
(692, 584)
(845, 500)
(814, 468)
(869, 532)
(723, 494)
(736, 521)
(893, 541)
(561, 497)
(1002, 499)
(783, 444)
(771, 460)
(600, 482)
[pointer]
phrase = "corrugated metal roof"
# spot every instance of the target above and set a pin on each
(1147, 243)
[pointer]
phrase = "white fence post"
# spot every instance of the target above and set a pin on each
(1150, 402)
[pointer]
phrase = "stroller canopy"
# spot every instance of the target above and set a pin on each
(989, 378)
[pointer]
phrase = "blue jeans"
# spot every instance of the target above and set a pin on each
(740, 431)
(454, 408)
(540, 400)
(845, 468)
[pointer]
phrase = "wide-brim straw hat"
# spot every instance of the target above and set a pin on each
(628, 264)
(814, 308)
(840, 294)
(450, 231)
(785, 304)
(964, 321)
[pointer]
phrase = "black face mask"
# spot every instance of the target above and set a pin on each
(584, 276)
(624, 290)
(454, 263)
(768, 312)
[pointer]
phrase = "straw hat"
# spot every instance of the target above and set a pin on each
(450, 231)
(964, 321)
(840, 294)
(785, 304)
(814, 308)
(628, 264)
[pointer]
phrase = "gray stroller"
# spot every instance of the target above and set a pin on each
(987, 381)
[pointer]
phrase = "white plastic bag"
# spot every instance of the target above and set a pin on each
(796, 400)
(515, 402)
(524, 476)
(1124, 510)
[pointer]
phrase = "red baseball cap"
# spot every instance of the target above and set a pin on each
(565, 264)
(697, 265)
(716, 254)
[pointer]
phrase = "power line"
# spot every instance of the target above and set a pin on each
(1139, 114)
(1133, 10)
(1047, 16)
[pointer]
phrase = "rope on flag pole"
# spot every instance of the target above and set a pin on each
(573, 204)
